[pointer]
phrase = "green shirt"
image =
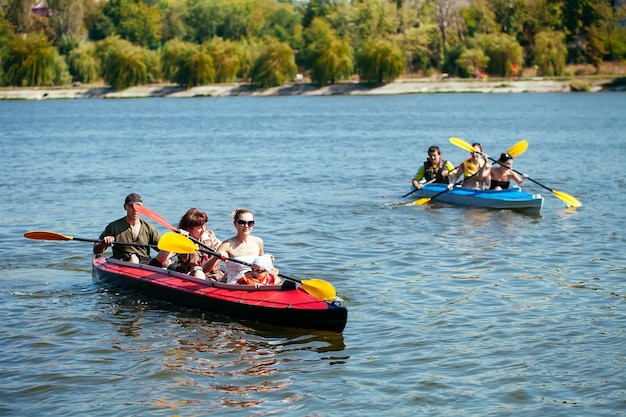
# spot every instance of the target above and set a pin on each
(121, 230)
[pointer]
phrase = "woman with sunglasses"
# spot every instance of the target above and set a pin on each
(243, 246)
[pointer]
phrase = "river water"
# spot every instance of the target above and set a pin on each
(452, 311)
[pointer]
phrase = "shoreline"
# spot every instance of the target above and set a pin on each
(402, 86)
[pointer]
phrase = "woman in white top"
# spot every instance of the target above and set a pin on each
(243, 246)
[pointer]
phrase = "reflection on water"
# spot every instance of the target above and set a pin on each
(214, 353)
(453, 310)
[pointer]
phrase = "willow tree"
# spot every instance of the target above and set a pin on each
(81, 63)
(380, 61)
(329, 57)
(187, 64)
(503, 51)
(274, 66)
(550, 52)
(227, 56)
(123, 64)
(29, 60)
(471, 60)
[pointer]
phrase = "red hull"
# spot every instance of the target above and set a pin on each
(282, 306)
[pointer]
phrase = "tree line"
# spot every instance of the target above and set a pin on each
(267, 42)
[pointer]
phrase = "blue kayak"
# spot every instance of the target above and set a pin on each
(511, 199)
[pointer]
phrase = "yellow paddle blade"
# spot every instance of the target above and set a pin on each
(174, 242)
(422, 201)
(320, 289)
(567, 198)
(462, 144)
(518, 149)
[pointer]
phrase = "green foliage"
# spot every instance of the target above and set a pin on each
(123, 64)
(420, 44)
(187, 64)
(329, 57)
(472, 59)
(374, 18)
(139, 23)
(612, 31)
(67, 21)
(274, 66)
(550, 52)
(428, 35)
(202, 19)
(153, 65)
(172, 23)
(379, 61)
(227, 57)
(170, 54)
(18, 15)
(502, 50)
(479, 18)
(579, 86)
(81, 63)
(251, 48)
(29, 60)
(60, 74)
(99, 25)
(67, 43)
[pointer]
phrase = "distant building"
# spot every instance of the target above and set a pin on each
(42, 9)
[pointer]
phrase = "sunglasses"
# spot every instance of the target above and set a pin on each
(249, 223)
(258, 271)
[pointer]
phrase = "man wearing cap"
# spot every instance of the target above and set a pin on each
(129, 229)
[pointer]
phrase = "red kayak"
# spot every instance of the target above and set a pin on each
(281, 305)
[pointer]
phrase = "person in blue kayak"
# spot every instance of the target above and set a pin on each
(475, 170)
(129, 229)
(435, 169)
(503, 174)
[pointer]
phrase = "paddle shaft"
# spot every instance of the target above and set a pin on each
(446, 189)
(417, 189)
(53, 236)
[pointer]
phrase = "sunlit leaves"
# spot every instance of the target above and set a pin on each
(550, 52)
(502, 50)
(123, 64)
(471, 59)
(187, 64)
(329, 57)
(29, 60)
(81, 63)
(274, 66)
(379, 61)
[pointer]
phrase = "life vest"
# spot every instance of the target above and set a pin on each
(470, 169)
(248, 280)
(431, 172)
